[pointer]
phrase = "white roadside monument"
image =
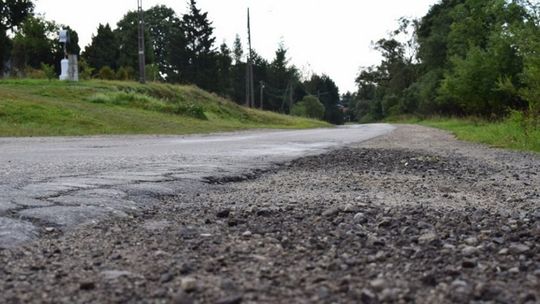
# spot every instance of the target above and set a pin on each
(69, 66)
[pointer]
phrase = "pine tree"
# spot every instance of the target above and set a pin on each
(238, 50)
(200, 65)
(103, 51)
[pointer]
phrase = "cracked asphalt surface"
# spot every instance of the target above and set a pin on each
(412, 216)
(60, 183)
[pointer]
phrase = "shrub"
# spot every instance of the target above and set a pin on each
(48, 70)
(85, 70)
(32, 73)
(310, 107)
(106, 73)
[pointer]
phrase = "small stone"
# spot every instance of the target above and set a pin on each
(513, 270)
(385, 222)
(360, 218)
(498, 240)
(469, 250)
(389, 295)
(350, 208)
(378, 284)
(166, 277)
(188, 284)
(331, 211)
(471, 241)
(247, 234)
(224, 213)
(49, 229)
(449, 246)
(427, 238)
(517, 248)
(504, 251)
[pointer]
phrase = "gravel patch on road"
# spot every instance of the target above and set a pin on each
(414, 216)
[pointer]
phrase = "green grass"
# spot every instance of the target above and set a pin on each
(54, 108)
(509, 133)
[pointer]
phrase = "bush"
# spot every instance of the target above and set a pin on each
(85, 70)
(125, 73)
(48, 70)
(32, 73)
(106, 73)
(309, 107)
(152, 72)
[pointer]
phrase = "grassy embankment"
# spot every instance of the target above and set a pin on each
(54, 108)
(509, 133)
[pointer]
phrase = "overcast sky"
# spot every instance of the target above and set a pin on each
(325, 36)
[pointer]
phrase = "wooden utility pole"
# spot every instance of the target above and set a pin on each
(291, 97)
(262, 95)
(142, 63)
(250, 86)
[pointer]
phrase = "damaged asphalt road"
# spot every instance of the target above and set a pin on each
(60, 183)
(413, 216)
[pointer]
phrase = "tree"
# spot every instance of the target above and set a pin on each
(12, 14)
(238, 71)
(198, 63)
(162, 24)
(280, 77)
(238, 50)
(103, 50)
(126, 35)
(310, 107)
(327, 92)
(224, 69)
(31, 45)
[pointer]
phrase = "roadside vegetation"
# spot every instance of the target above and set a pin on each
(51, 108)
(463, 59)
(181, 48)
(510, 133)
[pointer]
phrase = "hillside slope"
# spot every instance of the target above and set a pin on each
(53, 108)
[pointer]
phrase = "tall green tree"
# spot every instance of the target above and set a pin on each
(126, 35)
(326, 90)
(198, 65)
(225, 72)
(162, 24)
(31, 44)
(12, 14)
(103, 50)
(280, 76)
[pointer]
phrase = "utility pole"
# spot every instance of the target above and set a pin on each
(262, 95)
(142, 63)
(250, 86)
(291, 97)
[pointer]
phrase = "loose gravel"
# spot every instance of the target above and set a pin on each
(410, 217)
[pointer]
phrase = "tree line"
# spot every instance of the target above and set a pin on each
(463, 58)
(179, 49)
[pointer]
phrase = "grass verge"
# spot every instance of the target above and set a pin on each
(54, 108)
(510, 133)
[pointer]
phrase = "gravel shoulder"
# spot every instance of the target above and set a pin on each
(414, 216)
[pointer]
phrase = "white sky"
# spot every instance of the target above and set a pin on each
(325, 36)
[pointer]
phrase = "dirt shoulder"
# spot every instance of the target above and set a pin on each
(413, 216)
